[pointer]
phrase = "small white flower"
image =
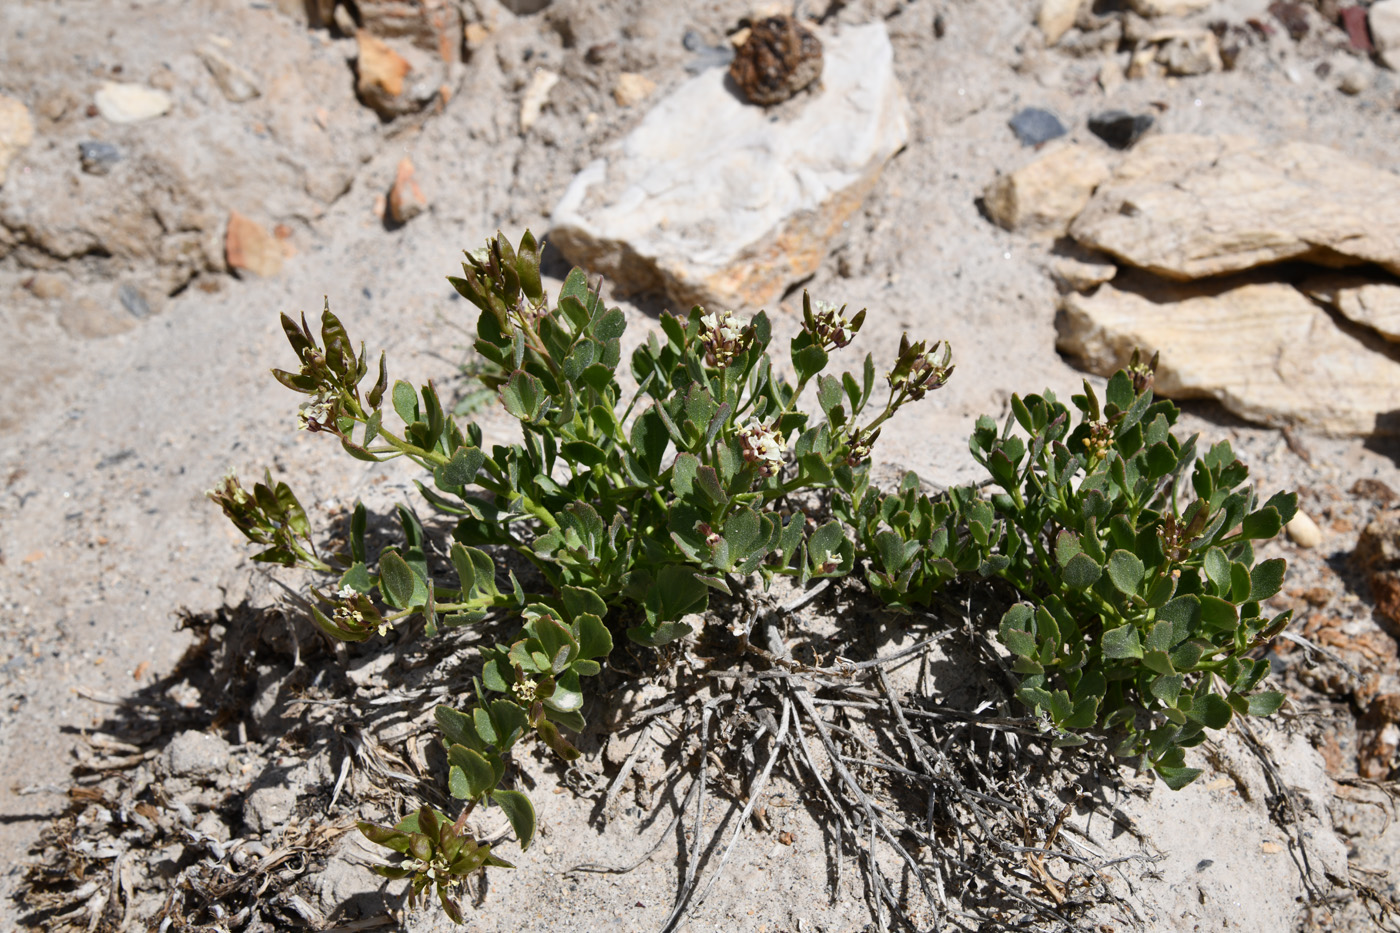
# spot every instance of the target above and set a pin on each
(315, 413)
(763, 446)
(347, 592)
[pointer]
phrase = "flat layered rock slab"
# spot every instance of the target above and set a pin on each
(1367, 302)
(1186, 207)
(715, 201)
(1263, 349)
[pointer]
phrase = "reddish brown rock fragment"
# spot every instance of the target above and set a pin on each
(1353, 20)
(406, 200)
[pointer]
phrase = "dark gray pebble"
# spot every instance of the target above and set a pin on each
(1119, 128)
(1034, 126)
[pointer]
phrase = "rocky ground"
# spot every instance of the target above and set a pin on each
(179, 745)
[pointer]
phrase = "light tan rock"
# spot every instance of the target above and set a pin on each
(16, 131)
(1056, 17)
(406, 200)
(1355, 78)
(1157, 8)
(536, 94)
(46, 285)
(379, 65)
(475, 34)
(1186, 207)
(1111, 76)
(1082, 271)
(631, 89)
(1384, 20)
(1365, 301)
(732, 218)
(396, 77)
(236, 83)
(130, 103)
(1261, 348)
(87, 319)
(1143, 64)
(1045, 195)
(249, 247)
(1194, 52)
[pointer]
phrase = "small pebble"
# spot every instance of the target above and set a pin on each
(98, 158)
(1034, 126)
(1303, 531)
(1355, 80)
(133, 301)
(1119, 128)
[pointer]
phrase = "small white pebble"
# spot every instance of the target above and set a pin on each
(1303, 531)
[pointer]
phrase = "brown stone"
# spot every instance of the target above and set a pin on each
(431, 25)
(406, 199)
(380, 73)
(1377, 555)
(1386, 707)
(249, 247)
(1370, 488)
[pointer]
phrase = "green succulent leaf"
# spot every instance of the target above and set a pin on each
(519, 811)
(396, 580)
(1126, 571)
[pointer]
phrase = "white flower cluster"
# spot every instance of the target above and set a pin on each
(315, 413)
(764, 446)
(724, 337)
(831, 326)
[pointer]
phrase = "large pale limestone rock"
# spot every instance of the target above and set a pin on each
(1365, 301)
(1045, 195)
(715, 201)
(1261, 348)
(1187, 206)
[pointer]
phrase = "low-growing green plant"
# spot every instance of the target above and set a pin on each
(633, 506)
(1140, 612)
